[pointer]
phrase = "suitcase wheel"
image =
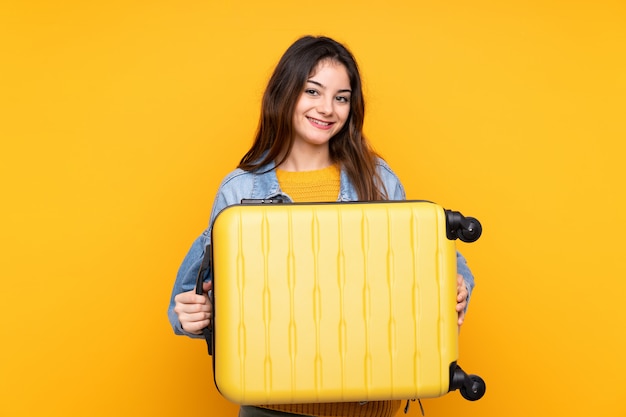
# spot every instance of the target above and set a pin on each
(466, 229)
(474, 388)
(472, 232)
(471, 387)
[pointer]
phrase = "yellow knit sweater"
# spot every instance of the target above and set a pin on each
(310, 186)
(313, 186)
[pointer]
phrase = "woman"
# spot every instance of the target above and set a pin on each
(309, 147)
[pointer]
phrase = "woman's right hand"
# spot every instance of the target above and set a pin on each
(194, 311)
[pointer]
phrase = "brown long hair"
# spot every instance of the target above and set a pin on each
(274, 136)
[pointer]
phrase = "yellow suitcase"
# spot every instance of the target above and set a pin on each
(330, 302)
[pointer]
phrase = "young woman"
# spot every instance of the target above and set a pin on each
(309, 147)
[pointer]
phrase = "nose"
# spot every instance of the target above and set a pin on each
(326, 106)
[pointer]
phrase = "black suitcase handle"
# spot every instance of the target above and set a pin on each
(202, 272)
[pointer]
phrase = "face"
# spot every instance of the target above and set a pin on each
(323, 106)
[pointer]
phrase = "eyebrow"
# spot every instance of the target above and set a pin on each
(323, 86)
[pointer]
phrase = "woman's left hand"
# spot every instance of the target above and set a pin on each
(461, 297)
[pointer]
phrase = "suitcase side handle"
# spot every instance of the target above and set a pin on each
(203, 272)
(466, 229)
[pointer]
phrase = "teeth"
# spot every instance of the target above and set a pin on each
(319, 122)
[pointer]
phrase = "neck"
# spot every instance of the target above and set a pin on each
(307, 160)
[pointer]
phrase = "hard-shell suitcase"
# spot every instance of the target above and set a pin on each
(327, 302)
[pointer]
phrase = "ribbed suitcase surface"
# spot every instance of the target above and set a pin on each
(333, 302)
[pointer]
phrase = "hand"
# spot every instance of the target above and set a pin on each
(194, 311)
(461, 297)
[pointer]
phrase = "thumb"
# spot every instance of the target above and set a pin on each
(206, 286)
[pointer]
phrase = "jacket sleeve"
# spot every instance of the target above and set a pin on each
(186, 279)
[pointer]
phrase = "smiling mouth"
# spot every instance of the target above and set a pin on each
(319, 123)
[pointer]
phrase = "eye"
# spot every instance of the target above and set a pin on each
(311, 92)
(343, 99)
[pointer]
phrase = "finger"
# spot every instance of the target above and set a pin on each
(191, 317)
(190, 297)
(206, 286)
(461, 289)
(195, 327)
(193, 308)
(461, 317)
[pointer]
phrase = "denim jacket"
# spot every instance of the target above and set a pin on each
(263, 184)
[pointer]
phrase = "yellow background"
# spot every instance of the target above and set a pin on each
(118, 119)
